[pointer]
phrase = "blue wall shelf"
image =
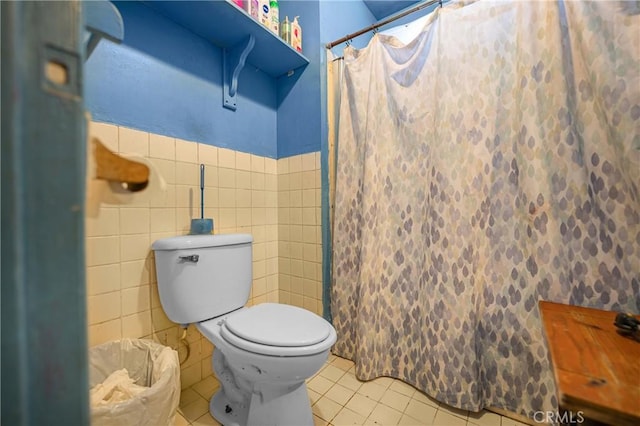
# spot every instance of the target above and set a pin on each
(227, 26)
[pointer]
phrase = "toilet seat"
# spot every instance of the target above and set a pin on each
(276, 329)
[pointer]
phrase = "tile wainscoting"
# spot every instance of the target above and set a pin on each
(277, 201)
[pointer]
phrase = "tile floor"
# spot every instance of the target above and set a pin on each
(338, 398)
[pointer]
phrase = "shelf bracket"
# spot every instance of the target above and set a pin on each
(233, 61)
(102, 20)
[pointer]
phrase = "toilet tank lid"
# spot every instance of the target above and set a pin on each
(185, 242)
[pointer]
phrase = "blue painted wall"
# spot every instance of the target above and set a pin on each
(339, 18)
(166, 80)
(299, 100)
(412, 17)
(302, 112)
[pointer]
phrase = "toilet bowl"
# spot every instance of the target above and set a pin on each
(262, 357)
(263, 354)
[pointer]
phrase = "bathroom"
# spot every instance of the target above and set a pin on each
(159, 95)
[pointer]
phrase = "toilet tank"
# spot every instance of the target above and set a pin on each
(203, 276)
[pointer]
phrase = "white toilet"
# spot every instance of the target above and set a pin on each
(263, 354)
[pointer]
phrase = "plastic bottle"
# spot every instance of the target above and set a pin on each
(253, 9)
(265, 13)
(275, 16)
(296, 35)
(285, 30)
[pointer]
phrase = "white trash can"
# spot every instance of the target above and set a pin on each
(133, 382)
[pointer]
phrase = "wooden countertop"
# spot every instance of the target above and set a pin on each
(597, 370)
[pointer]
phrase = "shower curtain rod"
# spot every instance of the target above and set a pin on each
(382, 23)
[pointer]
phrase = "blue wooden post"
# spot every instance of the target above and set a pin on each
(44, 344)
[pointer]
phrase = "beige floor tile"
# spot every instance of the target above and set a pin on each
(484, 418)
(410, 421)
(421, 411)
(206, 420)
(313, 377)
(180, 420)
(349, 381)
(454, 411)
(395, 400)
(207, 387)
(426, 399)
(348, 417)
(444, 418)
(313, 396)
(372, 390)
(343, 364)
(320, 384)
(195, 409)
(187, 396)
(402, 387)
(339, 394)
(317, 421)
(506, 421)
(352, 402)
(326, 409)
(384, 415)
(332, 373)
(383, 381)
(361, 405)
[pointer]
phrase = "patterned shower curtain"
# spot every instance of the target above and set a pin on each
(491, 163)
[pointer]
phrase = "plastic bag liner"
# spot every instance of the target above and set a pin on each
(149, 364)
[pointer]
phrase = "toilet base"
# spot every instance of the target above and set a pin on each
(290, 409)
(218, 409)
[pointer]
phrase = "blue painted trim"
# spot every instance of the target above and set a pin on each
(327, 246)
(44, 331)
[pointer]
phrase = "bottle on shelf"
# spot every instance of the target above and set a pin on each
(285, 30)
(265, 13)
(296, 35)
(274, 10)
(253, 9)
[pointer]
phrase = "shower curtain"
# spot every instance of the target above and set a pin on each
(491, 163)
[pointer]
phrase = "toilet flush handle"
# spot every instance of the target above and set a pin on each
(192, 258)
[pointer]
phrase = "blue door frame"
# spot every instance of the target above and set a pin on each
(44, 343)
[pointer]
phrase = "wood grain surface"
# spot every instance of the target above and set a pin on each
(596, 369)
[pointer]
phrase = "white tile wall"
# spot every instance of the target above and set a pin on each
(278, 202)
